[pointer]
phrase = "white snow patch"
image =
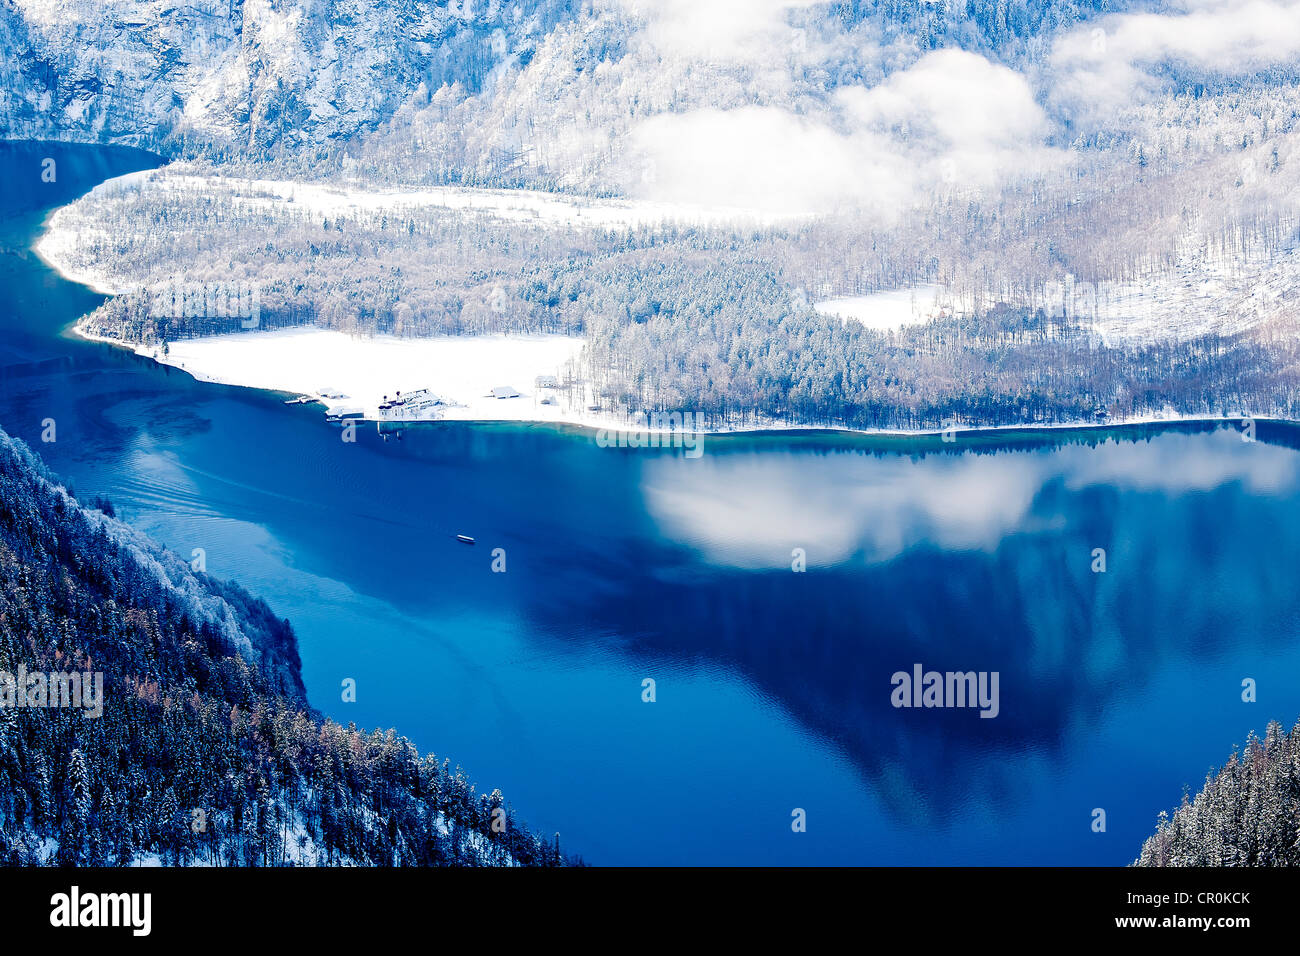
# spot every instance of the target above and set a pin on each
(459, 369)
(887, 311)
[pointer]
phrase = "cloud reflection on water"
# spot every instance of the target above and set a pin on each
(749, 511)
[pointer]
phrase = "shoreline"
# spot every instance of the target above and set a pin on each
(606, 423)
(52, 239)
(503, 356)
(47, 247)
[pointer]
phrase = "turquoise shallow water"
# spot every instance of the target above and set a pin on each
(773, 687)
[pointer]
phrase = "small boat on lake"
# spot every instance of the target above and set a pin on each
(464, 539)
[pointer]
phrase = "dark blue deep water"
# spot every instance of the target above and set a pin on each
(773, 687)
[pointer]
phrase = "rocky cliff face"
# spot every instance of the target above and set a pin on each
(541, 93)
(243, 76)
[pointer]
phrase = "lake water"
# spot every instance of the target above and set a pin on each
(773, 687)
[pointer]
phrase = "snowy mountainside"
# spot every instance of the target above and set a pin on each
(496, 89)
(858, 102)
(245, 76)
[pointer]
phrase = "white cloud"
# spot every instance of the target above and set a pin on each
(1104, 64)
(1181, 464)
(954, 107)
(846, 506)
(720, 30)
(952, 120)
(767, 160)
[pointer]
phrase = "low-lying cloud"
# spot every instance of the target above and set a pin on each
(719, 30)
(1104, 65)
(951, 121)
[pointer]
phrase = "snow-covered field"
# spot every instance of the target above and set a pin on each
(69, 231)
(887, 311)
(460, 369)
(1204, 294)
(333, 199)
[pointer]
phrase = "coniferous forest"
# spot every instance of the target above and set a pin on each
(1247, 814)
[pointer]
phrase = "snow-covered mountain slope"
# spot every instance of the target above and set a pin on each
(870, 102)
(476, 90)
(240, 75)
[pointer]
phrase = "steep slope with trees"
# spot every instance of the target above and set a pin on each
(1247, 814)
(206, 750)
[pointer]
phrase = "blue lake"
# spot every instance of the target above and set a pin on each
(1117, 689)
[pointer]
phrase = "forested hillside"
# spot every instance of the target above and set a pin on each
(1093, 202)
(1247, 814)
(721, 320)
(206, 751)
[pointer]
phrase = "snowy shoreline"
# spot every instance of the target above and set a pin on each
(352, 366)
(363, 370)
(347, 373)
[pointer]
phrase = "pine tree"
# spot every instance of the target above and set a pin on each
(74, 848)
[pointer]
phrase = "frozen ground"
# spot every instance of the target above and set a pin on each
(460, 369)
(887, 311)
